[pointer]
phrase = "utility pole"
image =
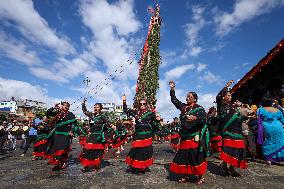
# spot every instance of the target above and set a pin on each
(87, 81)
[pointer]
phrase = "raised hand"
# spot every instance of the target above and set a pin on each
(84, 101)
(229, 83)
(172, 84)
(57, 106)
(123, 97)
(158, 117)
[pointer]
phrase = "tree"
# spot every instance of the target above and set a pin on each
(148, 78)
(3, 117)
(40, 112)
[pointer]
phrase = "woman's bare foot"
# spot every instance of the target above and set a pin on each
(183, 180)
(200, 181)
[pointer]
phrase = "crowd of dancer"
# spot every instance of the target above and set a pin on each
(231, 132)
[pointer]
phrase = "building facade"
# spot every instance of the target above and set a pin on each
(113, 107)
(8, 106)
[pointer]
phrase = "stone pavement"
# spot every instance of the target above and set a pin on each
(21, 172)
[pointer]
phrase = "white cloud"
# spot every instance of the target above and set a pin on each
(71, 69)
(164, 105)
(220, 45)
(195, 51)
(168, 58)
(33, 26)
(211, 78)
(206, 100)
(111, 25)
(244, 10)
(44, 73)
(63, 70)
(102, 89)
(24, 90)
(178, 71)
(106, 92)
(192, 31)
(100, 15)
(201, 67)
(17, 50)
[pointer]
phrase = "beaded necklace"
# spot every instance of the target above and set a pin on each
(188, 108)
(139, 114)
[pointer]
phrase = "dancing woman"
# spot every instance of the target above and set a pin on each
(140, 155)
(42, 141)
(120, 137)
(215, 136)
(190, 158)
(230, 124)
(82, 133)
(175, 134)
(94, 147)
(61, 140)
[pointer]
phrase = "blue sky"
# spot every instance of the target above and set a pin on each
(47, 47)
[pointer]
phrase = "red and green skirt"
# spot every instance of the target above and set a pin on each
(59, 149)
(93, 152)
(233, 153)
(140, 155)
(216, 144)
(82, 140)
(40, 148)
(189, 160)
(119, 141)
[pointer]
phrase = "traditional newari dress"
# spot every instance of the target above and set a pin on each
(94, 147)
(175, 134)
(59, 146)
(109, 138)
(81, 132)
(230, 123)
(120, 136)
(214, 134)
(190, 158)
(141, 152)
(42, 141)
(167, 132)
(162, 131)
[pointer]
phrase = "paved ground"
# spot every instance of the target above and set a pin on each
(21, 172)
